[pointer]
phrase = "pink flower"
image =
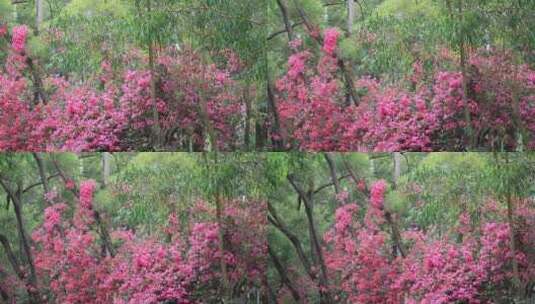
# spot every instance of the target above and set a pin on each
(86, 194)
(69, 184)
(344, 216)
(377, 194)
(3, 30)
(18, 42)
(330, 40)
(52, 218)
(296, 64)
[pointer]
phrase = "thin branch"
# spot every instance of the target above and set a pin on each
(30, 187)
(275, 34)
(330, 184)
(284, 12)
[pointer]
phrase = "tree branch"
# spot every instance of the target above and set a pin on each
(274, 219)
(42, 175)
(330, 184)
(307, 199)
(30, 187)
(275, 34)
(11, 257)
(283, 275)
(332, 171)
(284, 12)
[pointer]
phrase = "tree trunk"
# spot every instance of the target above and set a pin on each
(512, 232)
(221, 225)
(38, 15)
(397, 167)
(157, 140)
(42, 174)
(15, 197)
(274, 219)
(463, 59)
(278, 143)
(106, 168)
(396, 235)
(248, 117)
(18, 270)
(350, 16)
(23, 237)
(284, 12)
(12, 258)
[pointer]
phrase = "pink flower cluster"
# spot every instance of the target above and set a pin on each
(432, 271)
(330, 40)
(377, 194)
(144, 269)
(86, 194)
(19, 35)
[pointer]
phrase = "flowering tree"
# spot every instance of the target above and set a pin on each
(74, 267)
(316, 116)
(196, 105)
(434, 270)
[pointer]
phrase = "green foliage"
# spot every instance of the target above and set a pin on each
(92, 8)
(276, 168)
(313, 8)
(91, 31)
(511, 174)
(408, 9)
(396, 43)
(450, 183)
(158, 183)
(6, 10)
(36, 48)
(349, 49)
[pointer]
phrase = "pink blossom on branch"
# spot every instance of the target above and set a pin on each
(145, 269)
(330, 40)
(377, 194)
(86, 194)
(19, 35)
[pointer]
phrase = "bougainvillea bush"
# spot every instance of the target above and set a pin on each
(75, 264)
(491, 108)
(470, 264)
(190, 104)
